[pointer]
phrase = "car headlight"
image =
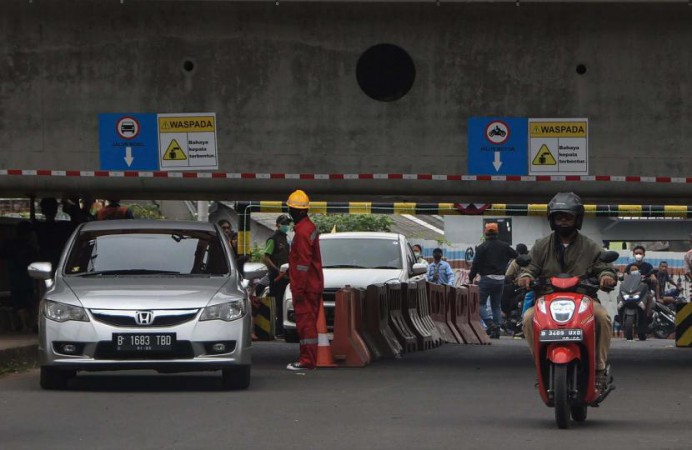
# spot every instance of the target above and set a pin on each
(232, 310)
(562, 310)
(585, 302)
(62, 312)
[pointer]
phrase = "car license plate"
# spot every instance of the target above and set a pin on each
(143, 342)
(561, 335)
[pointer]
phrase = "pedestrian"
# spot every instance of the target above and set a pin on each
(240, 260)
(491, 261)
(113, 211)
(275, 255)
(226, 228)
(307, 280)
(418, 253)
(439, 271)
(19, 252)
(566, 250)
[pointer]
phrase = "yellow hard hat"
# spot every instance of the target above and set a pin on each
(298, 200)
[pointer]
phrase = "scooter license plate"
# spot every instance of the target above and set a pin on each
(561, 335)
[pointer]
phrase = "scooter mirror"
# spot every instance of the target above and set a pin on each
(524, 260)
(609, 256)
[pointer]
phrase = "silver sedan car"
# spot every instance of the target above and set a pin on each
(144, 294)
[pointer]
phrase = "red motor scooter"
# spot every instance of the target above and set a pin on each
(565, 345)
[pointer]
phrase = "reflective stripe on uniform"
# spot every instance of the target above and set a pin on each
(312, 341)
(302, 268)
(313, 235)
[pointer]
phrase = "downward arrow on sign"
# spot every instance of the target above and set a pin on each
(497, 163)
(128, 156)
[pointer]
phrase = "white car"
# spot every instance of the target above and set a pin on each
(145, 294)
(357, 259)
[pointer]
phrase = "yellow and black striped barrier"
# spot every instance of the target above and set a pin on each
(683, 325)
(265, 318)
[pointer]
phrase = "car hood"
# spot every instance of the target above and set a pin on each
(141, 292)
(361, 278)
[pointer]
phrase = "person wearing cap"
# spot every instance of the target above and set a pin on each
(490, 262)
(439, 271)
(275, 255)
(307, 280)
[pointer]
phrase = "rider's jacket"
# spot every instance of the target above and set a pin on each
(549, 257)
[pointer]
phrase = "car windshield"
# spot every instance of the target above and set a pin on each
(147, 252)
(360, 253)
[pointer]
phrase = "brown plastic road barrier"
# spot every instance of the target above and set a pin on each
(409, 296)
(459, 312)
(424, 312)
(438, 312)
(324, 351)
(348, 347)
(402, 332)
(376, 313)
(359, 300)
(450, 314)
(475, 314)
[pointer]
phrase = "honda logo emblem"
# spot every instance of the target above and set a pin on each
(144, 317)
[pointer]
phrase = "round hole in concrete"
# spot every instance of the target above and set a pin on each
(188, 65)
(581, 69)
(385, 72)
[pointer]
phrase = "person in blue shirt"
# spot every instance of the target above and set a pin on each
(440, 272)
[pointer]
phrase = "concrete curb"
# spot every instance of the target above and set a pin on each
(26, 353)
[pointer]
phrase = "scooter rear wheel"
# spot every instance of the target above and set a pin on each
(560, 388)
(579, 413)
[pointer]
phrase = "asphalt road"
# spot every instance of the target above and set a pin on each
(453, 397)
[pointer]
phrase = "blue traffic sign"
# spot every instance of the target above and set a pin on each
(497, 146)
(128, 141)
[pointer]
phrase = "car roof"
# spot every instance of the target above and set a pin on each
(144, 224)
(361, 235)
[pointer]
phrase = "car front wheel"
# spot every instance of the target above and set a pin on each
(236, 378)
(55, 379)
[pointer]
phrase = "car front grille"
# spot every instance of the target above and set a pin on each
(180, 350)
(128, 318)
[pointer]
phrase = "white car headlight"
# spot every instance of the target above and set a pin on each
(562, 310)
(232, 310)
(62, 312)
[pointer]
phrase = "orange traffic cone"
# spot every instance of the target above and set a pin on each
(324, 351)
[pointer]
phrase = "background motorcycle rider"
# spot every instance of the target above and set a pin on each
(662, 278)
(568, 251)
(648, 275)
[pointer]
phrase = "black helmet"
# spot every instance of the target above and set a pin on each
(283, 219)
(567, 202)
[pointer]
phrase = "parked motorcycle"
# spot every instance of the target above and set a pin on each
(565, 344)
(662, 321)
(632, 300)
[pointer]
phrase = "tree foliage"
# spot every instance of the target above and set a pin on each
(351, 222)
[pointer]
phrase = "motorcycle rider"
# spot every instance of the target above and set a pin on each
(566, 250)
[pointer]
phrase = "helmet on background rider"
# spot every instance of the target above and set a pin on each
(566, 202)
(298, 200)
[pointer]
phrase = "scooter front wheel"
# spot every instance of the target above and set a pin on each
(561, 392)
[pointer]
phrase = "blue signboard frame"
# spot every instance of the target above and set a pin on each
(497, 146)
(137, 132)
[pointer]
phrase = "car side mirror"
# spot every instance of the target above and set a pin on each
(42, 271)
(419, 269)
(523, 260)
(254, 270)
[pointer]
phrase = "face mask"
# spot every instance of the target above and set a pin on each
(638, 257)
(416, 254)
(285, 228)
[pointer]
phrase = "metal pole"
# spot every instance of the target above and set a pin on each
(202, 211)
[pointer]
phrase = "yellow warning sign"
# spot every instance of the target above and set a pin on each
(188, 124)
(558, 129)
(544, 157)
(174, 152)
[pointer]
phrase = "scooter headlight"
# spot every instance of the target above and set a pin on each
(540, 304)
(630, 296)
(562, 310)
(585, 302)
